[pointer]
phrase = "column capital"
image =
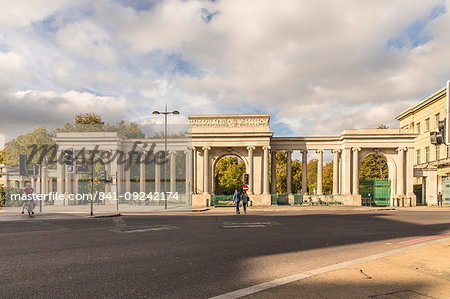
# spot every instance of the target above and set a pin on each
(356, 149)
(400, 149)
(251, 147)
(304, 151)
(288, 151)
(266, 147)
(319, 151)
(206, 148)
(336, 151)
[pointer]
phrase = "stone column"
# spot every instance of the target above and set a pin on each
(188, 176)
(250, 169)
(266, 170)
(409, 172)
(355, 171)
(45, 179)
(206, 150)
(319, 172)
(346, 166)
(304, 171)
(289, 172)
(142, 175)
(336, 171)
(75, 183)
(173, 172)
(274, 172)
(128, 179)
(119, 180)
(157, 176)
(60, 176)
(68, 182)
(108, 174)
(400, 169)
(194, 170)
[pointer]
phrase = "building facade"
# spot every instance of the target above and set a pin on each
(431, 161)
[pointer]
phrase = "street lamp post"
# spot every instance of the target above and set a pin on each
(165, 112)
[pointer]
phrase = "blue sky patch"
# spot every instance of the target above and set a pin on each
(414, 35)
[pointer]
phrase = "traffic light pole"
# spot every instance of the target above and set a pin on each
(92, 186)
(40, 187)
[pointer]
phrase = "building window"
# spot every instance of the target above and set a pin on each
(418, 128)
(436, 117)
(418, 156)
(438, 152)
(427, 124)
(427, 154)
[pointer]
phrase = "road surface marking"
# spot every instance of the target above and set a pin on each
(248, 224)
(423, 239)
(300, 276)
(155, 228)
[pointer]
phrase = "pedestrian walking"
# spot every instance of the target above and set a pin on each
(29, 200)
(245, 200)
(237, 200)
(439, 198)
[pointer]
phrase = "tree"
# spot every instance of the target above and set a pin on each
(91, 122)
(228, 175)
(130, 130)
(281, 175)
(27, 144)
(311, 175)
(373, 167)
(327, 187)
(2, 156)
(88, 119)
(383, 126)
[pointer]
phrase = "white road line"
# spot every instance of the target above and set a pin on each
(288, 279)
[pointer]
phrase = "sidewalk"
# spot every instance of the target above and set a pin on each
(418, 273)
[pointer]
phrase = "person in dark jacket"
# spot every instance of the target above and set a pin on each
(237, 200)
(245, 201)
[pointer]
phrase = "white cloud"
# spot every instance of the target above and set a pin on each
(318, 67)
(88, 40)
(11, 64)
(48, 107)
(20, 13)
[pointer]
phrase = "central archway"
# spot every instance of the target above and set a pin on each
(374, 180)
(228, 173)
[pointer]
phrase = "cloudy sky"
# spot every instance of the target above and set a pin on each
(317, 67)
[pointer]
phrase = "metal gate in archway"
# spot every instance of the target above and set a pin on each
(375, 192)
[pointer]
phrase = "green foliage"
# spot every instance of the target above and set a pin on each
(88, 119)
(2, 156)
(281, 172)
(90, 122)
(24, 144)
(327, 186)
(130, 130)
(228, 175)
(311, 175)
(281, 176)
(85, 179)
(373, 167)
(2, 196)
(383, 126)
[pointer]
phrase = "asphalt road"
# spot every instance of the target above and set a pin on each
(191, 256)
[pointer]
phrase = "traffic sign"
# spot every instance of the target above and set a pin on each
(245, 188)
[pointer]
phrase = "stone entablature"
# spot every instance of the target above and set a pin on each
(249, 137)
(230, 123)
